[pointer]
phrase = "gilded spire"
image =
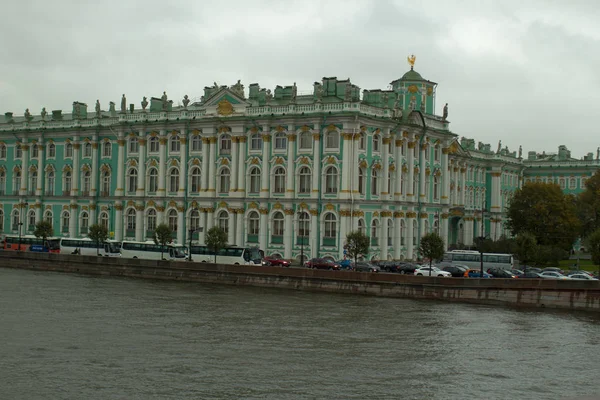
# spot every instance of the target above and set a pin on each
(411, 60)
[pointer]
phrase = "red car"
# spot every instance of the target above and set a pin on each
(276, 261)
(321, 263)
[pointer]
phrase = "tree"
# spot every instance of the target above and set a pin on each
(216, 239)
(526, 249)
(588, 205)
(98, 234)
(44, 230)
(162, 236)
(593, 244)
(432, 247)
(543, 210)
(357, 245)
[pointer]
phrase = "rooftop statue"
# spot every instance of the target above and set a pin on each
(98, 111)
(27, 114)
(520, 151)
(319, 91)
(111, 108)
(123, 104)
(348, 92)
(186, 101)
(445, 113)
(144, 103)
(44, 113)
(480, 146)
(268, 96)
(294, 92)
(499, 146)
(411, 60)
(164, 100)
(238, 88)
(385, 99)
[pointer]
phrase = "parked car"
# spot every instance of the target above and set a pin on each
(457, 271)
(501, 273)
(582, 277)
(362, 266)
(516, 272)
(276, 261)
(553, 269)
(390, 266)
(531, 269)
(531, 275)
(321, 263)
(407, 269)
(424, 271)
(344, 264)
(475, 273)
(553, 275)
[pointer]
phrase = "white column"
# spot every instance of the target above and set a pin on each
(141, 189)
(316, 165)
(183, 170)
(444, 228)
(410, 196)
(288, 234)
(234, 163)
(139, 221)
(347, 165)
(180, 224)
(495, 197)
(239, 228)
(265, 173)
(205, 156)
(162, 163)
(445, 177)
(211, 165)
(24, 169)
(383, 246)
(263, 237)
(397, 236)
(210, 218)
(160, 213)
(74, 216)
(202, 233)
(93, 213)
(386, 168)
(353, 165)
(41, 169)
(118, 223)
(76, 183)
(232, 226)
(410, 217)
(463, 183)
(343, 232)
(469, 231)
(398, 157)
(313, 237)
(94, 183)
(422, 231)
(291, 163)
(241, 165)
(120, 166)
(422, 168)
(38, 211)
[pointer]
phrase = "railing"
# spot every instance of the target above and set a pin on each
(104, 194)
(276, 239)
(84, 230)
(329, 242)
(31, 193)
(86, 193)
(49, 192)
(374, 241)
(15, 192)
(302, 240)
(66, 192)
(130, 232)
(252, 238)
(65, 229)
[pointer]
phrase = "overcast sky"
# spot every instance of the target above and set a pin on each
(524, 72)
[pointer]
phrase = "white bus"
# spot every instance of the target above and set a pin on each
(228, 255)
(472, 259)
(88, 247)
(152, 251)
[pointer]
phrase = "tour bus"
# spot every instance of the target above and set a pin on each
(472, 259)
(152, 251)
(31, 243)
(228, 255)
(88, 247)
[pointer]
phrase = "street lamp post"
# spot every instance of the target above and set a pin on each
(23, 205)
(192, 230)
(482, 238)
(301, 235)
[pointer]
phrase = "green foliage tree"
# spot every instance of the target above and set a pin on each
(593, 244)
(98, 234)
(588, 205)
(549, 256)
(162, 236)
(357, 245)
(216, 239)
(44, 230)
(543, 210)
(432, 247)
(526, 248)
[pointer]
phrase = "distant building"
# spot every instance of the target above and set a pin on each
(281, 170)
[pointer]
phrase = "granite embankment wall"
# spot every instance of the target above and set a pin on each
(576, 295)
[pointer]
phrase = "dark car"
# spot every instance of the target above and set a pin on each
(389, 266)
(532, 269)
(516, 272)
(407, 269)
(500, 273)
(457, 271)
(321, 263)
(276, 261)
(362, 266)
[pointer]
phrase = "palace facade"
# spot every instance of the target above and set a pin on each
(284, 171)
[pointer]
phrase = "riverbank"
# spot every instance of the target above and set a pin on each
(575, 295)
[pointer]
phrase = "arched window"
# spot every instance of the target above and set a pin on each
(436, 188)
(105, 183)
(68, 150)
(85, 223)
(572, 183)
(362, 143)
(303, 224)
(361, 226)
(33, 179)
(51, 150)
(390, 232)
(194, 219)
(402, 233)
(374, 182)
(131, 225)
(305, 177)
(253, 223)
(223, 221)
(376, 141)
(196, 143)
(306, 141)
(254, 186)
(48, 217)
(2, 182)
(256, 142)
(225, 144)
(132, 177)
(16, 219)
(195, 180)
(18, 151)
(104, 220)
(151, 220)
(153, 144)
(280, 141)
(152, 180)
(332, 140)
(107, 149)
(279, 180)
(224, 180)
(173, 179)
(3, 151)
(66, 217)
(68, 183)
(278, 224)
(330, 226)
(427, 184)
(174, 144)
(51, 183)
(375, 232)
(361, 181)
(172, 220)
(31, 220)
(16, 181)
(331, 180)
(415, 183)
(86, 182)
(436, 153)
(134, 145)
(35, 152)
(87, 149)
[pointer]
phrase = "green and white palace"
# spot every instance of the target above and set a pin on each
(284, 170)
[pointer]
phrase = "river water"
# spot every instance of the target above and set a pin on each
(79, 337)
